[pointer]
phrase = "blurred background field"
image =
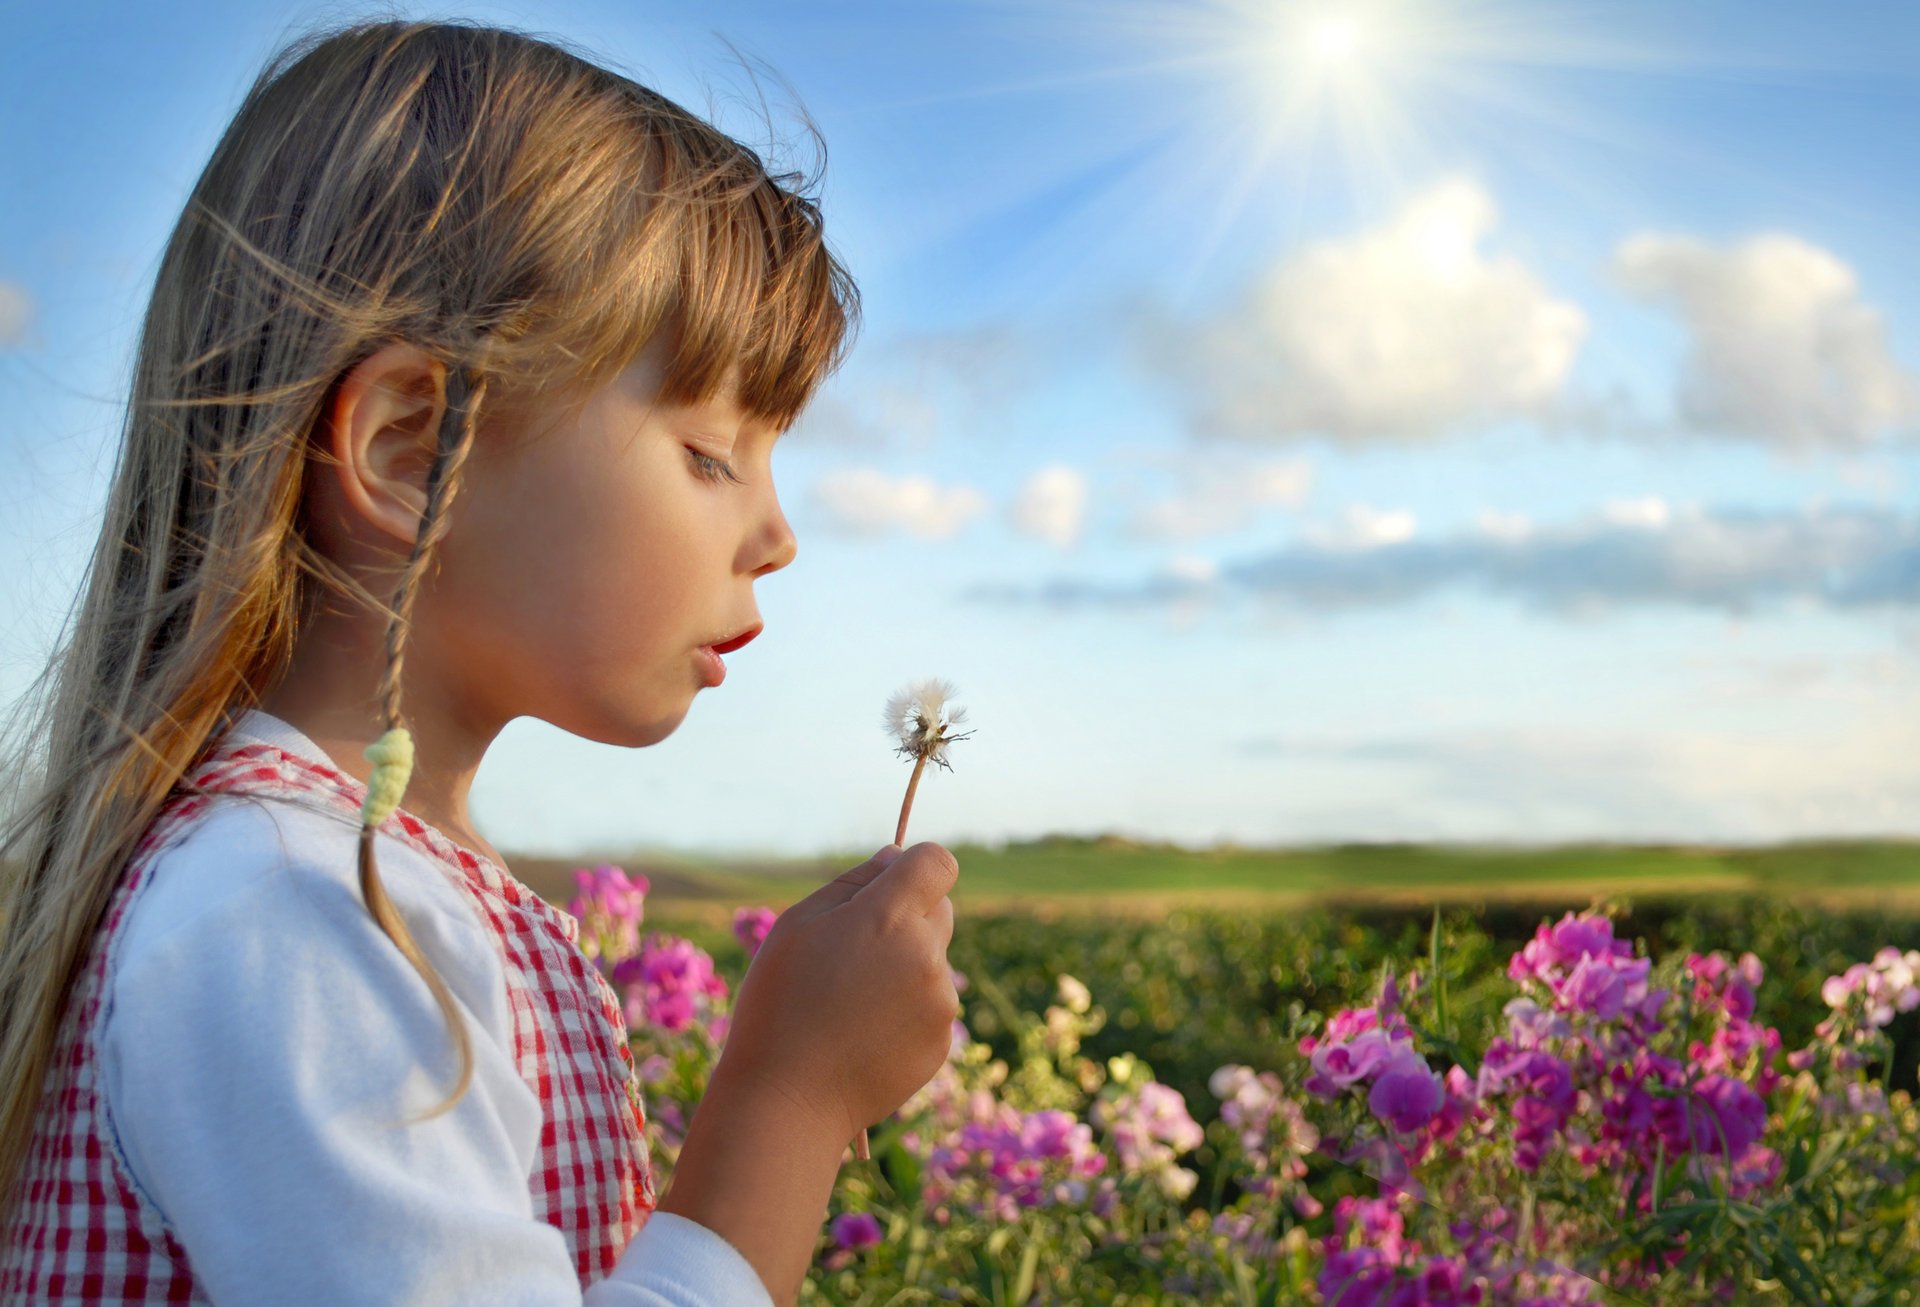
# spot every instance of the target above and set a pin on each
(1061, 875)
(1200, 955)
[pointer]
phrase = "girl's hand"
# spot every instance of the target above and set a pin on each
(848, 1007)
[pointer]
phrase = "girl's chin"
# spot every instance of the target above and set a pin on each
(631, 726)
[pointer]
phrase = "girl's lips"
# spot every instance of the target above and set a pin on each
(730, 645)
(711, 668)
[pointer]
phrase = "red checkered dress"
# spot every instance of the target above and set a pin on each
(84, 1234)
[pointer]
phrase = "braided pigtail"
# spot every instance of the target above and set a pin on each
(392, 753)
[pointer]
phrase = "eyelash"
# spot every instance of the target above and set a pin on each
(714, 469)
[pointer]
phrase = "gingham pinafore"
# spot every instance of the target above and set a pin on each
(83, 1233)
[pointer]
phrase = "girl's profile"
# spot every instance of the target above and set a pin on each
(455, 401)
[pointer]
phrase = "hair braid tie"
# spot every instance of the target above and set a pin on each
(392, 759)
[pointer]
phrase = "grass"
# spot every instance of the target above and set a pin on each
(1072, 874)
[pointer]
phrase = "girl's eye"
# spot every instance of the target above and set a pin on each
(714, 469)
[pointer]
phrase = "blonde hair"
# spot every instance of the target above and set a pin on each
(528, 218)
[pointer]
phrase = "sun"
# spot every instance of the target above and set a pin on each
(1289, 115)
(1333, 42)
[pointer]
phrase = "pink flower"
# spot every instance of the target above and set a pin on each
(1337, 1065)
(750, 927)
(1407, 1093)
(668, 983)
(1555, 950)
(1149, 1126)
(609, 907)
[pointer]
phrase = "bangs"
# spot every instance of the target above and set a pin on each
(654, 224)
(743, 283)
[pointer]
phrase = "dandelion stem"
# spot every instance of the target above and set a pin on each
(860, 1149)
(906, 805)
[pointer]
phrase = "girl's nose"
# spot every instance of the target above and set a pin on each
(778, 546)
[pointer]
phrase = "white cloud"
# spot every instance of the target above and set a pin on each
(1052, 505)
(16, 310)
(914, 391)
(885, 415)
(1362, 526)
(1191, 568)
(1504, 526)
(864, 501)
(1218, 498)
(1629, 554)
(1781, 346)
(1649, 511)
(1401, 332)
(1563, 782)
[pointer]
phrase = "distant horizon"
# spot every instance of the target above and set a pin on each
(664, 853)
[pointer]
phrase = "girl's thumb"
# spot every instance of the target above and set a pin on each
(852, 881)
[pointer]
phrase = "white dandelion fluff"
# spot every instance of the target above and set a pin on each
(918, 717)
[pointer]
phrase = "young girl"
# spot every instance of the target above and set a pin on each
(454, 403)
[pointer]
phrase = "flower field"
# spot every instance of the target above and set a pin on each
(1666, 1102)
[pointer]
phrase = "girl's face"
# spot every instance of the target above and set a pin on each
(586, 563)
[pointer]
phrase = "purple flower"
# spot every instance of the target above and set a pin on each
(1407, 1093)
(1722, 1117)
(1544, 1095)
(1337, 1065)
(855, 1230)
(1011, 1160)
(750, 927)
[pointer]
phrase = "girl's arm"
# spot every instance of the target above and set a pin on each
(758, 1168)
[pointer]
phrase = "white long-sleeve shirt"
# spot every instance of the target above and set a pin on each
(253, 1027)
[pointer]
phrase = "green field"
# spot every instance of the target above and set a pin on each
(1111, 874)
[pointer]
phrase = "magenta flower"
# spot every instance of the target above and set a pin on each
(750, 927)
(668, 984)
(1006, 1160)
(1556, 949)
(610, 906)
(1543, 1097)
(1722, 1118)
(856, 1230)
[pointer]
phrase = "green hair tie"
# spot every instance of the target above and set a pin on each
(392, 759)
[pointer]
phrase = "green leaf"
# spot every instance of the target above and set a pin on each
(1023, 1278)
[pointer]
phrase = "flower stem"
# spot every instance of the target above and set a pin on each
(906, 805)
(860, 1146)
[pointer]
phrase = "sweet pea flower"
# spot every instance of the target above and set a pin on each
(750, 927)
(1337, 1065)
(856, 1230)
(1406, 1094)
(609, 906)
(668, 983)
(1149, 1126)
(1722, 1117)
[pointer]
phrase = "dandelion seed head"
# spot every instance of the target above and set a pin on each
(921, 720)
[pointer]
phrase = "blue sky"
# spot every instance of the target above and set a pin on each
(1284, 422)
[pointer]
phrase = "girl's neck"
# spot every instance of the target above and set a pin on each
(324, 695)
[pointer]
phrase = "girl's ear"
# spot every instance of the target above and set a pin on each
(381, 430)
